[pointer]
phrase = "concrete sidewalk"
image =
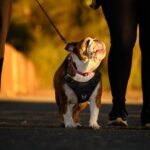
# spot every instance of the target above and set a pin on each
(36, 126)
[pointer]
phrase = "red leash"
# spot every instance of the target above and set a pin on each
(52, 23)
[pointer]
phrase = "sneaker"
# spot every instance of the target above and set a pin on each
(118, 122)
(145, 118)
(146, 126)
(118, 117)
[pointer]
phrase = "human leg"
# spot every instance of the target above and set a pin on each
(144, 27)
(122, 22)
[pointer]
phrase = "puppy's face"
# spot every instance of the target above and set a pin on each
(88, 49)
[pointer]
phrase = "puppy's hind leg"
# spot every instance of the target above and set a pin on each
(76, 112)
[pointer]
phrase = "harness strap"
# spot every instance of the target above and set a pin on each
(83, 90)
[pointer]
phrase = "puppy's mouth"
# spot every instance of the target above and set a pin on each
(95, 49)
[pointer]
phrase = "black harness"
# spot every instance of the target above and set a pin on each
(83, 90)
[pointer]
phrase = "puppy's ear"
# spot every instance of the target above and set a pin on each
(71, 46)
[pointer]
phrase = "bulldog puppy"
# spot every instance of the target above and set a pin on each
(77, 82)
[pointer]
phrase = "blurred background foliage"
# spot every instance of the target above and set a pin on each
(31, 33)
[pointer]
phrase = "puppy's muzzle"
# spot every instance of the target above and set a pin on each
(96, 48)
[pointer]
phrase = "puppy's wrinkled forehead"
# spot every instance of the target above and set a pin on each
(87, 48)
(82, 45)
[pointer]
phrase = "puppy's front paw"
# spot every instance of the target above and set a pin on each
(95, 125)
(70, 124)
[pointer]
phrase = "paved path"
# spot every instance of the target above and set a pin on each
(35, 126)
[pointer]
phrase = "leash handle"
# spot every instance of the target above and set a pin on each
(52, 23)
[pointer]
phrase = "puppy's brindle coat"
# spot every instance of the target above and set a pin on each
(81, 66)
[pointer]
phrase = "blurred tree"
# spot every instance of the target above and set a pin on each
(20, 37)
(30, 29)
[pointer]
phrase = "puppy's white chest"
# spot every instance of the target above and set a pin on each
(87, 66)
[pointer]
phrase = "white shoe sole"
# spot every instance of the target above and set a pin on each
(118, 122)
(147, 126)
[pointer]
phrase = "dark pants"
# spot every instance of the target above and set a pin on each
(123, 17)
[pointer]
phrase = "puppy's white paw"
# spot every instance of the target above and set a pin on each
(70, 124)
(95, 125)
